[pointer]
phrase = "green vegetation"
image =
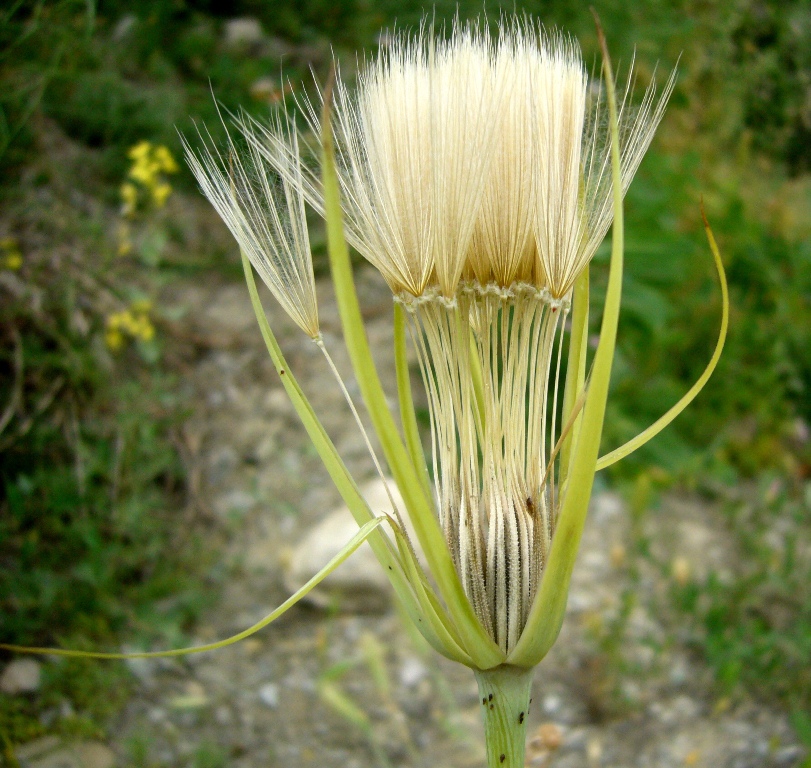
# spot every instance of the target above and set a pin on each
(755, 627)
(93, 483)
(91, 479)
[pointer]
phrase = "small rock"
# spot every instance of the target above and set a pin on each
(684, 708)
(146, 669)
(618, 555)
(606, 506)
(269, 695)
(631, 691)
(278, 48)
(223, 715)
(124, 27)
(581, 601)
(47, 717)
(89, 754)
(541, 744)
(193, 697)
(550, 736)
(13, 284)
(679, 672)
(96, 755)
(413, 672)
(594, 751)
(788, 756)
(300, 682)
(156, 714)
(802, 432)
(221, 462)
(21, 676)
(143, 669)
(267, 90)
(353, 446)
(681, 570)
(276, 401)
(235, 502)
(36, 748)
(241, 34)
(551, 703)
(644, 655)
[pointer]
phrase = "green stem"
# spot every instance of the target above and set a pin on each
(504, 698)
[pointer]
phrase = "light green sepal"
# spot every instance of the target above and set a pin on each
(408, 417)
(658, 425)
(434, 619)
(362, 535)
(576, 371)
(548, 608)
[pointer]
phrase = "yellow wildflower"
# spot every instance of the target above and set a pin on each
(163, 157)
(124, 241)
(149, 165)
(146, 330)
(142, 172)
(129, 198)
(140, 150)
(133, 323)
(142, 306)
(160, 192)
(11, 258)
(114, 339)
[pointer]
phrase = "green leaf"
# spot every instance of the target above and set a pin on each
(434, 622)
(576, 371)
(408, 417)
(802, 726)
(362, 535)
(658, 425)
(338, 701)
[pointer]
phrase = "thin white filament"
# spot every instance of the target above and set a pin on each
(319, 341)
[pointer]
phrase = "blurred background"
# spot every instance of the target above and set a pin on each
(154, 485)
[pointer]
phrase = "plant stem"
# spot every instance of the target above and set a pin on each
(504, 697)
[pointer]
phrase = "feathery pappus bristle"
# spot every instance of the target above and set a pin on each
(473, 157)
(262, 204)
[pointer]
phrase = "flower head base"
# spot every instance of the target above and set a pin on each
(475, 175)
